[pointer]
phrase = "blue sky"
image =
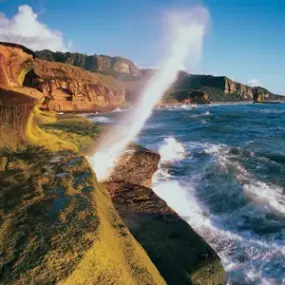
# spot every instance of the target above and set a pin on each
(245, 39)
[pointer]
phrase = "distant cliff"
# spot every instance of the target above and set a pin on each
(200, 89)
(187, 89)
(222, 88)
(115, 66)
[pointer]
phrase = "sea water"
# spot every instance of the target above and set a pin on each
(223, 171)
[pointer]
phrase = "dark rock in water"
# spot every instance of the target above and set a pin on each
(181, 255)
(136, 166)
(186, 96)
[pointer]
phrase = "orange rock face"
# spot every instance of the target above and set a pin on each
(56, 86)
(67, 88)
(26, 82)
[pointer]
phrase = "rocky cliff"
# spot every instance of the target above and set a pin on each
(188, 89)
(200, 89)
(221, 88)
(58, 225)
(58, 87)
(116, 66)
(67, 88)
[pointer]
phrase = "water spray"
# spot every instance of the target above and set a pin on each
(189, 29)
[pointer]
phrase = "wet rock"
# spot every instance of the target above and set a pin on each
(136, 166)
(179, 253)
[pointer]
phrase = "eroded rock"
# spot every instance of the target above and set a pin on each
(181, 255)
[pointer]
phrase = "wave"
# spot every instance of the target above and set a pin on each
(178, 107)
(101, 119)
(117, 110)
(205, 114)
(269, 111)
(231, 209)
(171, 150)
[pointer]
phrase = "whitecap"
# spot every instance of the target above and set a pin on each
(171, 150)
(101, 119)
(117, 110)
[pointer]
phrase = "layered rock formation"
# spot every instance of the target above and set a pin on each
(16, 102)
(58, 87)
(137, 166)
(67, 88)
(190, 89)
(221, 88)
(116, 66)
(181, 256)
(199, 89)
(15, 109)
(185, 97)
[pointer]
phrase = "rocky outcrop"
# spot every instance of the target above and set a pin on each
(67, 88)
(15, 109)
(16, 101)
(15, 62)
(185, 97)
(116, 66)
(200, 89)
(220, 88)
(58, 87)
(136, 166)
(135, 80)
(181, 256)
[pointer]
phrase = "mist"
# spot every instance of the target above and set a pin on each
(186, 32)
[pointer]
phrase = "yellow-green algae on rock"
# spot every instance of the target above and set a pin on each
(58, 224)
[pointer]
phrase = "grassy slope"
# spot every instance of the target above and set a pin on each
(58, 224)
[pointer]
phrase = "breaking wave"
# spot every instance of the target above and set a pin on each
(230, 184)
(227, 206)
(101, 119)
(171, 150)
(117, 110)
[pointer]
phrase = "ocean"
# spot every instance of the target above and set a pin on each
(222, 170)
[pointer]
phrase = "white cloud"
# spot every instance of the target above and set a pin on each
(253, 82)
(25, 29)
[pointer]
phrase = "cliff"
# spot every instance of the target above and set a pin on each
(57, 87)
(116, 66)
(221, 88)
(188, 89)
(58, 225)
(67, 88)
(200, 89)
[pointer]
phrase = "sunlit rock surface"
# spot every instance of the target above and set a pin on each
(136, 166)
(116, 66)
